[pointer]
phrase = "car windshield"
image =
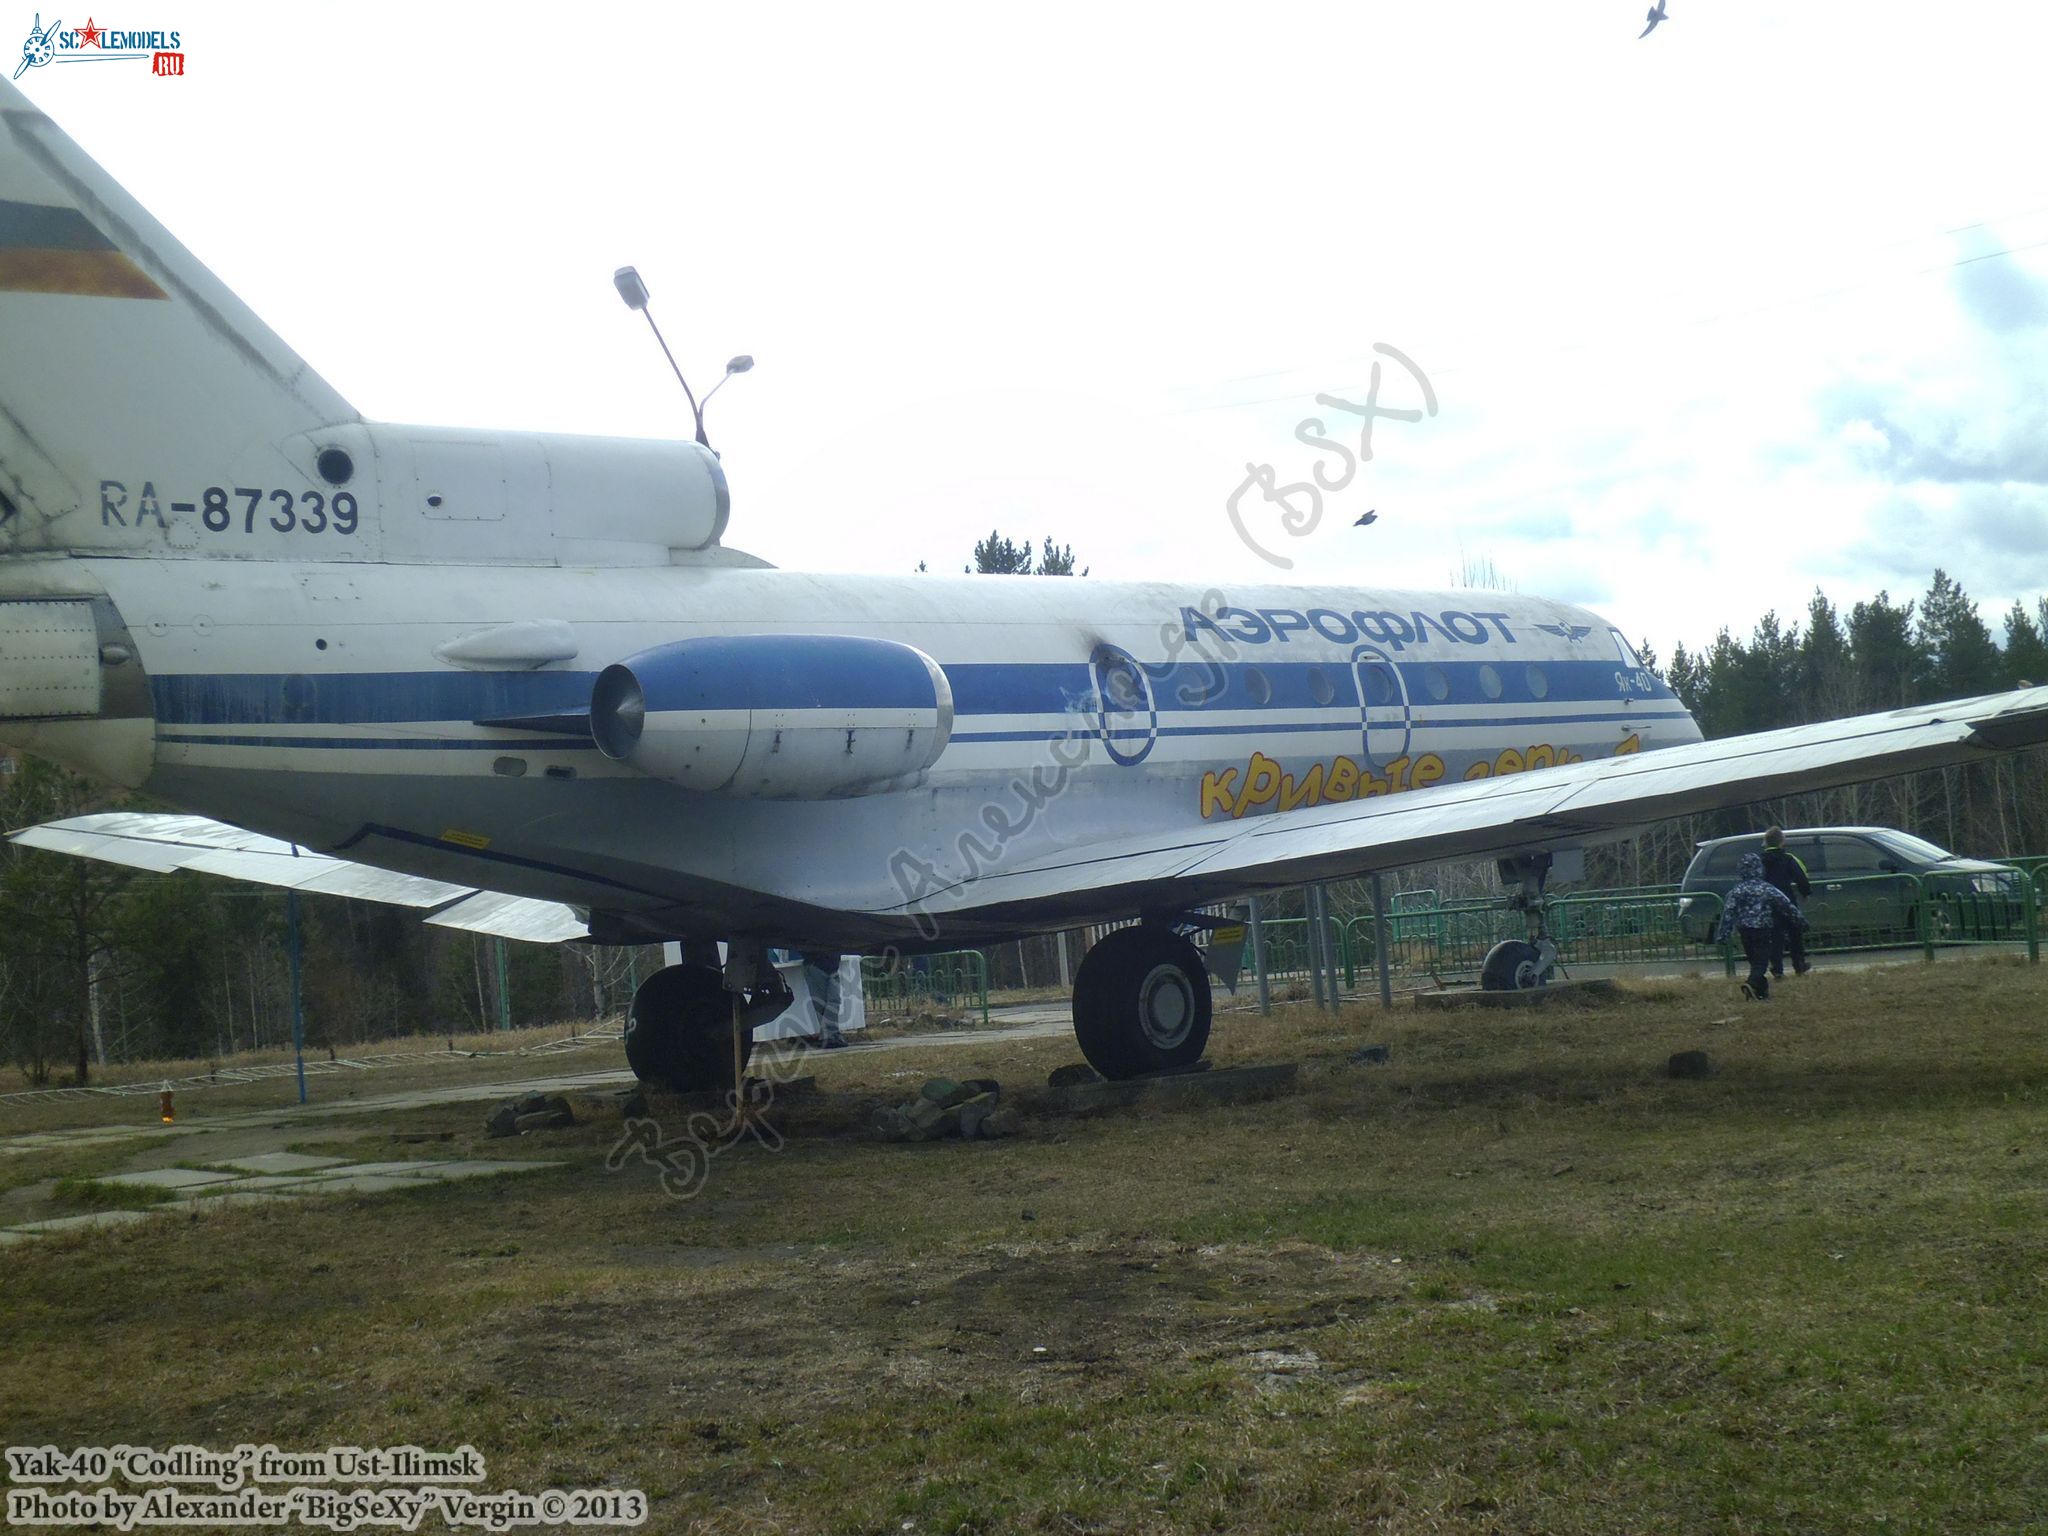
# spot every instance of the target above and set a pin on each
(1913, 847)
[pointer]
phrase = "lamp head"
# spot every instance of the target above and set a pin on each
(631, 289)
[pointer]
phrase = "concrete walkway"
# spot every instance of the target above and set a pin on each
(261, 1178)
(1025, 1022)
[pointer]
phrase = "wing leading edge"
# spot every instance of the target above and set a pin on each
(1585, 802)
(164, 843)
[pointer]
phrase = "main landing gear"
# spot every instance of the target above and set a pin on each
(1519, 963)
(1141, 1002)
(680, 1029)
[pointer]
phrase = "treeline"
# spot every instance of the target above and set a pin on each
(1883, 655)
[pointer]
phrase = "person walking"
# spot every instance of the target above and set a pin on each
(1751, 910)
(1789, 875)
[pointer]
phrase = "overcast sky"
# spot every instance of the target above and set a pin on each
(1711, 317)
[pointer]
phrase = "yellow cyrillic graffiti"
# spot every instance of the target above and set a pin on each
(1262, 782)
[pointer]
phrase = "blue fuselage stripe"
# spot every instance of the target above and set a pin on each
(979, 689)
(390, 743)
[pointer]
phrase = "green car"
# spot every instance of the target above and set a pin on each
(1868, 884)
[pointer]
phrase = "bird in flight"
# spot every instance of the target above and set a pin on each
(1656, 15)
(1363, 521)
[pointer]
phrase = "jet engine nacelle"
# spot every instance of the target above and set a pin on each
(775, 717)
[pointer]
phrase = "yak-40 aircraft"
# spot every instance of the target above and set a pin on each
(519, 682)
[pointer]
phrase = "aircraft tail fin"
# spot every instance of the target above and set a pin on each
(122, 359)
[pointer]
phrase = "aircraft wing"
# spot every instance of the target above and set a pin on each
(1582, 803)
(163, 843)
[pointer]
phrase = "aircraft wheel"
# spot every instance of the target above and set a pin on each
(1141, 1003)
(1510, 965)
(679, 1030)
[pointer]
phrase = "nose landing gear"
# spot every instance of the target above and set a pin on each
(1519, 963)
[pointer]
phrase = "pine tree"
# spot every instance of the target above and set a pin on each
(1886, 662)
(2026, 651)
(998, 556)
(1826, 673)
(1958, 658)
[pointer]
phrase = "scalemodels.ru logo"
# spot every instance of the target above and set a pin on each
(93, 43)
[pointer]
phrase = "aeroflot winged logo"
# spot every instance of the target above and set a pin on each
(93, 43)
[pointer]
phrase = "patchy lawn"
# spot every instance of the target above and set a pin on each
(1515, 1280)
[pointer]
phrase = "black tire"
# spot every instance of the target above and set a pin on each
(679, 1030)
(1141, 1003)
(1510, 966)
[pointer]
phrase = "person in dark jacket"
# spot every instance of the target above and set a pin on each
(1788, 875)
(1751, 910)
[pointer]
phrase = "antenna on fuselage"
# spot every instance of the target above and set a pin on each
(634, 292)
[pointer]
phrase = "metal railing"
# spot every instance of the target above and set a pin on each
(897, 984)
(1432, 941)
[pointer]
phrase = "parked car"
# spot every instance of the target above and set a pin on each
(1864, 887)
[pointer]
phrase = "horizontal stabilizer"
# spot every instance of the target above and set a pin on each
(164, 843)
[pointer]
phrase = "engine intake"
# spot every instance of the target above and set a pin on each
(775, 717)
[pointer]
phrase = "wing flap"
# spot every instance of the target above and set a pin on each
(514, 917)
(164, 844)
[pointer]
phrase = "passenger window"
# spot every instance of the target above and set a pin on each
(1255, 684)
(1438, 685)
(1320, 688)
(1196, 684)
(1722, 860)
(1489, 681)
(1851, 856)
(1539, 683)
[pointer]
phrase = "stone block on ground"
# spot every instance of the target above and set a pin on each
(942, 1108)
(530, 1112)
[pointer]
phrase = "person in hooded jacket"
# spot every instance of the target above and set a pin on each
(1750, 911)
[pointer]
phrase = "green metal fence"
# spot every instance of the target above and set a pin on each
(1287, 947)
(1449, 942)
(953, 980)
(1894, 911)
(1432, 941)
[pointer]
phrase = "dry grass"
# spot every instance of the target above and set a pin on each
(1545, 1288)
(394, 1066)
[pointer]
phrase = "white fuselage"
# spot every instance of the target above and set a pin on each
(308, 701)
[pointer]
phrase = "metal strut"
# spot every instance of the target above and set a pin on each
(1530, 871)
(758, 995)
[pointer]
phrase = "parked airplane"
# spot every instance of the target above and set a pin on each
(519, 682)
